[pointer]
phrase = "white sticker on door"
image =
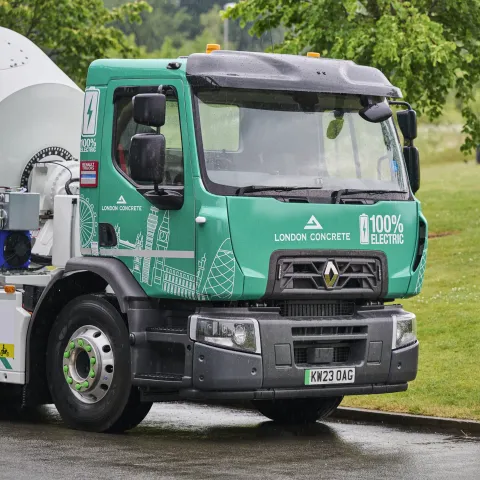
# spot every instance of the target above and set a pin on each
(381, 229)
(90, 110)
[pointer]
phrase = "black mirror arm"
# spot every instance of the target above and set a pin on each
(169, 199)
(158, 191)
(400, 103)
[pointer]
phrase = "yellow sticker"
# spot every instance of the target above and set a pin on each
(7, 350)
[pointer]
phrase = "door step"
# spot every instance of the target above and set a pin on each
(162, 377)
(176, 330)
(167, 335)
(169, 382)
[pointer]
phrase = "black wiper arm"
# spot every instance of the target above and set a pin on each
(338, 194)
(266, 188)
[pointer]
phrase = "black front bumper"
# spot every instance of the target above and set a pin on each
(279, 372)
(362, 341)
(279, 393)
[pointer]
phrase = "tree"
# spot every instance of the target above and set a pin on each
(196, 7)
(211, 31)
(167, 19)
(426, 47)
(174, 24)
(72, 32)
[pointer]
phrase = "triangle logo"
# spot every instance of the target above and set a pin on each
(121, 201)
(313, 224)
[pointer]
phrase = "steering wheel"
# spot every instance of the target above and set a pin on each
(171, 193)
(220, 162)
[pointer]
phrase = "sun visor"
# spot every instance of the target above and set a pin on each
(262, 71)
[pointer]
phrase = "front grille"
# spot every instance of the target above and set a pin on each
(316, 309)
(357, 276)
(318, 331)
(341, 354)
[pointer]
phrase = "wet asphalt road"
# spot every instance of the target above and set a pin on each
(205, 442)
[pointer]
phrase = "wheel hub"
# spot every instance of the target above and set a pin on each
(88, 364)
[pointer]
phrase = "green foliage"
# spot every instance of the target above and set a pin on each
(72, 32)
(165, 19)
(448, 382)
(175, 44)
(186, 26)
(426, 47)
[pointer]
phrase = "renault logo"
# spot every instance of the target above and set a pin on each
(330, 274)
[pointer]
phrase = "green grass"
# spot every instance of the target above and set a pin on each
(448, 309)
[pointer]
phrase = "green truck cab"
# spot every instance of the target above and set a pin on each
(246, 222)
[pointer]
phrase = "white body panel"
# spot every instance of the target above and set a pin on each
(39, 278)
(49, 180)
(39, 106)
(43, 239)
(66, 229)
(14, 321)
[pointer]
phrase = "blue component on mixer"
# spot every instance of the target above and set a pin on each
(15, 249)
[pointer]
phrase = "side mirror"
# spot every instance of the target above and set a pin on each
(376, 112)
(147, 158)
(412, 161)
(149, 109)
(407, 121)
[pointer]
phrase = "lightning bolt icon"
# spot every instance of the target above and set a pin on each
(90, 111)
(364, 229)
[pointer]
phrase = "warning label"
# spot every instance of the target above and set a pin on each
(7, 350)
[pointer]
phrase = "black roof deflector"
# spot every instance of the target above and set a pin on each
(264, 71)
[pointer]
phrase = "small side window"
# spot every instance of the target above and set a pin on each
(125, 128)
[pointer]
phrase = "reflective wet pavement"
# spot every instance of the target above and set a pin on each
(207, 442)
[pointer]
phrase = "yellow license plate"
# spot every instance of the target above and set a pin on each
(7, 350)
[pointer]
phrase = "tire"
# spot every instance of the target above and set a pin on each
(117, 407)
(299, 411)
(133, 414)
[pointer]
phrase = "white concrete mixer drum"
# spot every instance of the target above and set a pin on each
(40, 108)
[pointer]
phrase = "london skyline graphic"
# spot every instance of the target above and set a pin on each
(218, 284)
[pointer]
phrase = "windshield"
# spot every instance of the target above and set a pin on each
(282, 139)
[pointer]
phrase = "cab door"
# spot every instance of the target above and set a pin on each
(157, 244)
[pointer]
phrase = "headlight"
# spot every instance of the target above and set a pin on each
(404, 330)
(237, 333)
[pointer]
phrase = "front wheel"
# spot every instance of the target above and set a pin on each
(88, 367)
(298, 410)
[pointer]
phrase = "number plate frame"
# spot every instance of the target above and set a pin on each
(329, 376)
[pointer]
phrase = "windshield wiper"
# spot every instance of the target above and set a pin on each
(266, 188)
(338, 194)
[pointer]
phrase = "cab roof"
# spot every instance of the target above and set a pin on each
(262, 71)
(102, 71)
(266, 71)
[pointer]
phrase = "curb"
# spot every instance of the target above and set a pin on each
(404, 419)
(378, 417)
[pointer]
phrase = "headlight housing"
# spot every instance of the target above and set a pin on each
(404, 330)
(236, 333)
